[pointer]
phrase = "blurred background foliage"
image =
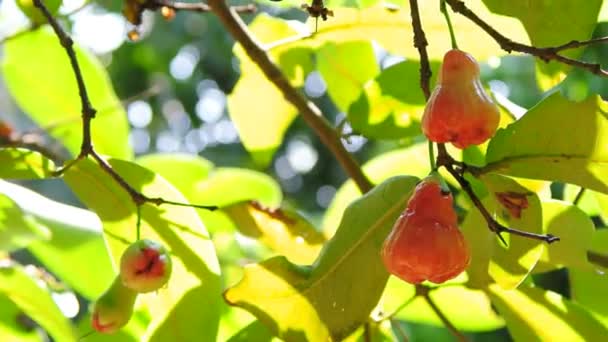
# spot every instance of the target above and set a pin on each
(174, 82)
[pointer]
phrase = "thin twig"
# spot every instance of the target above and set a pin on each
(443, 159)
(598, 258)
(88, 112)
(310, 112)
(544, 53)
(579, 196)
(421, 43)
(459, 336)
(193, 7)
(397, 326)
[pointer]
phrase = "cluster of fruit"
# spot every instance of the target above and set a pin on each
(145, 266)
(425, 243)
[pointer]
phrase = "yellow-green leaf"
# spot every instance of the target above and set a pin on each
(39, 76)
(284, 231)
(533, 314)
(574, 228)
(19, 163)
(554, 138)
(34, 301)
(192, 295)
(17, 229)
(336, 294)
(490, 258)
(346, 67)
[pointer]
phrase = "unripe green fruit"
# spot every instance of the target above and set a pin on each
(145, 266)
(114, 308)
(35, 14)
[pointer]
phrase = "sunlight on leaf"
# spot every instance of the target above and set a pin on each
(193, 292)
(18, 163)
(34, 83)
(392, 29)
(554, 138)
(345, 68)
(10, 325)
(18, 229)
(34, 301)
(348, 267)
(533, 314)
(542, 22)
(258, 109)
(467, 309)
(284, 231)
(574, 228)
(74, 244)
(490, 259)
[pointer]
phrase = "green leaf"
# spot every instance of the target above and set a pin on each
(539, 20)
(412, 160)
(536, 146)
(284, 231)
(17, 229)
(467, 309)
(200, 183)
(587, 201)
(602, 200)
(255, 331)
(19, 163)
(336, 294)
(180, 169)
(388, 107)
(74, 245)
(11, 325)
(574, 228)
(533, 314)
(490, 258)
(586, 285)
(35, 301)
(258, 108)
(346, 67)
(193, 292)
(46, 89)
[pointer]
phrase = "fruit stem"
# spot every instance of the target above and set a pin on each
(432, 157)
(138, 233)
(444, 10)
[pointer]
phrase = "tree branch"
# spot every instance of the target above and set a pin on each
(88, 113)
(193, 7)
(421, 43)
(546, 53)
(459, 336)
(445, 160)
(309, 111)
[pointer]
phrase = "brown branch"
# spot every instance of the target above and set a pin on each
(598, 258)
(444, 159)
(546, 53)
(309, 111)
(193, 7)
(88, 112)
(579, 196)
(459, 336)
(573, 44)
(421, 43)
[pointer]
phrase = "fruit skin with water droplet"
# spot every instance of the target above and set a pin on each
(34, 13)
(114, 308)
(425, 242)
(459, 110)
(145, 266)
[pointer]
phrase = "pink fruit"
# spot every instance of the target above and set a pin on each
(145, 266)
